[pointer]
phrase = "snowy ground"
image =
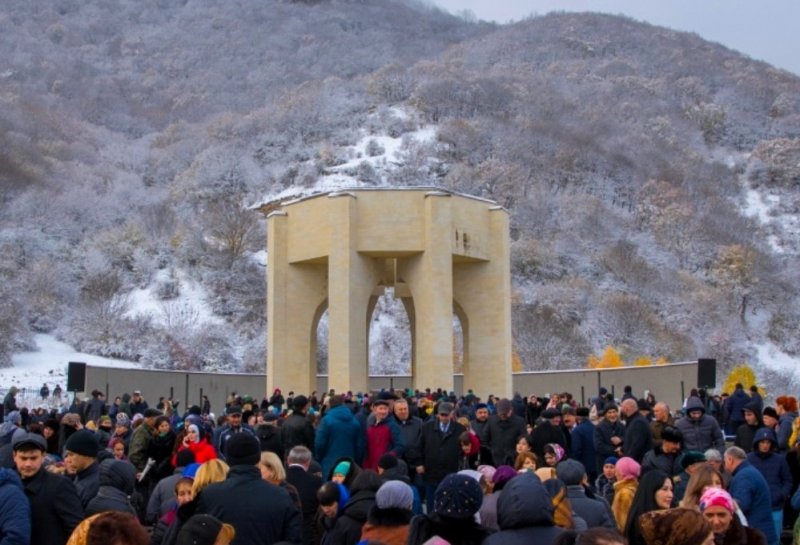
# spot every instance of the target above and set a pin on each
(48, 365)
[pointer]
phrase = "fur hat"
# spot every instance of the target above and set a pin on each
(394, 495)
(83, 442)
(242, 449)
(628, 468)
(457, 497)
(674, 527)
(672, 434)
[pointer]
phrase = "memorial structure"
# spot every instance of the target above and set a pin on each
(443, 253)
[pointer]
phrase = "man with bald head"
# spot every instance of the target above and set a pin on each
(661, 419)
(638, 438)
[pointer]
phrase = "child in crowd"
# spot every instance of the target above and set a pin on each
(183, 495)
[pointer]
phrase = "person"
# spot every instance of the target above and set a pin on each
(654, 492)
(15, 511)
(638, 439)
(109, 528)
(206, 530)
(676, 527)
(700, 431)
(627, 473)
(297, 429)
(138, 405)
(10, 401)
(141, 438)
(582, 443)
(480, 421)
(440, 448)
(306, 484)
(661, 419)
(80, 460)
(196, 442)
(353, 513)
(502, 432)
(162, 500)
(117, 482)
(389, 519)
(553, 454)
(271, 519)
(53, 499)
(382, 435)
(747, 430)
(735, 404)
(339, 435)
(456, 500)
(718, 508)
(605, 481)
(691, 461)
(751, 492)
(608, 436)
(160, 449)
(773, 467)
(268, 433)
(44, 391)
(524, 513)
(232, 427)
(273, 472)
(596, 512)
(592, 536)
(786, 407)
(705, 477)
(666, 455)
(411, 430)
(57, 392)
(95, 407)
(548, 432)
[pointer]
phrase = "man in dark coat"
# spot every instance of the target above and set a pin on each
(233, 426)
(440, 450)
(548, 431)
(117, 482)
(736, 403)
(80, 459)
(751, 492)
(54, 503)
(747, 431)
(596, 512)
(667, 455)
(269, 435)
(481, 421)
(297, 429)
(138, 404)
(638, 438)
(582, 448)
(307, 484)
(772, 465)
(608, 436)
(270, 519)
(411, 430)
(503, 431)
(700, 431)
(15, 511)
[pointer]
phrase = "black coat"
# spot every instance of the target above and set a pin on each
(546, 433)
(271, 519)
(603, 447)
(87, 482)
(55, 507)
(307, 485)
(347, 529)
(117, 480)
(638, 437)
(297, 430)
(440, 452)
(502, 435)
(270, 438)
(454, 531)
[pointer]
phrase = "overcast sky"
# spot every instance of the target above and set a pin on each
(766, 30)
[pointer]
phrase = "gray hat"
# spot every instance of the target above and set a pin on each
(394, 495)
(445, 407)
(14, 417)
(571, 472)
(27, 439)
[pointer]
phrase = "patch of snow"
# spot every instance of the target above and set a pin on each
(191, 301)
(48, 365)
(770, 355)
(260, 257)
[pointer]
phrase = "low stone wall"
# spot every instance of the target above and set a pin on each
(670, 383)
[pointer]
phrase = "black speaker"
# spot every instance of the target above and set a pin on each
(706, 373)
(76, 377)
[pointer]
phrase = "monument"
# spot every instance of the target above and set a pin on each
(443, 253)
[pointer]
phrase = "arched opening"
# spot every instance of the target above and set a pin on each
(319, 346)
(390, 344)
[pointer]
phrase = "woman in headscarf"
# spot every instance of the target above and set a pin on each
(720, 511)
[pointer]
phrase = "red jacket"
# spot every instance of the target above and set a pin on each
(203, 451)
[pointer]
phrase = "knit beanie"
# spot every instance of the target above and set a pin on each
(394, 495)
(458, 497)
(571, 472)
(387, 461)
(611, 460)
(487, 472)
(628, 468)
(716, 497)
(679, 526)
(123, 420)
(242, 449)
(503, 474)
(342, 468)
(83, 442)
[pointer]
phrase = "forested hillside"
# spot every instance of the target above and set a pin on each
(653, 178)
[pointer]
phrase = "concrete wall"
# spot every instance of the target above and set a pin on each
(670, 383)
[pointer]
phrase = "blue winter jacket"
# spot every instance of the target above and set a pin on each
(751, 492)
(773, 467)
(339, 436)
(15, 510)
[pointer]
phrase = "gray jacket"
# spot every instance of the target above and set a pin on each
(701, 434)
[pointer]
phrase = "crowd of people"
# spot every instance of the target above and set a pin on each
(402, 468)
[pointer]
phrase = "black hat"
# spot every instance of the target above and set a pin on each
(199, 530)
(300, 402)
(83, 442)
(457, 496)
(26, 439)
(151, 413)
(184, 458)
(242, 449)
(770, 411)
(234, 409)
(644, 405)
(195, 409)
(582, 411)
(672, 434)
(387, 461)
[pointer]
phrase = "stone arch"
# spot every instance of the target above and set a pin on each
(443, 253)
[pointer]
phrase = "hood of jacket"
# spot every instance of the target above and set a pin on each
(118, 474)
(524, 502)
(359, 505)
(341, 413)
(756, 410)
(9, 478)
(764, 433)
(695, 404)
